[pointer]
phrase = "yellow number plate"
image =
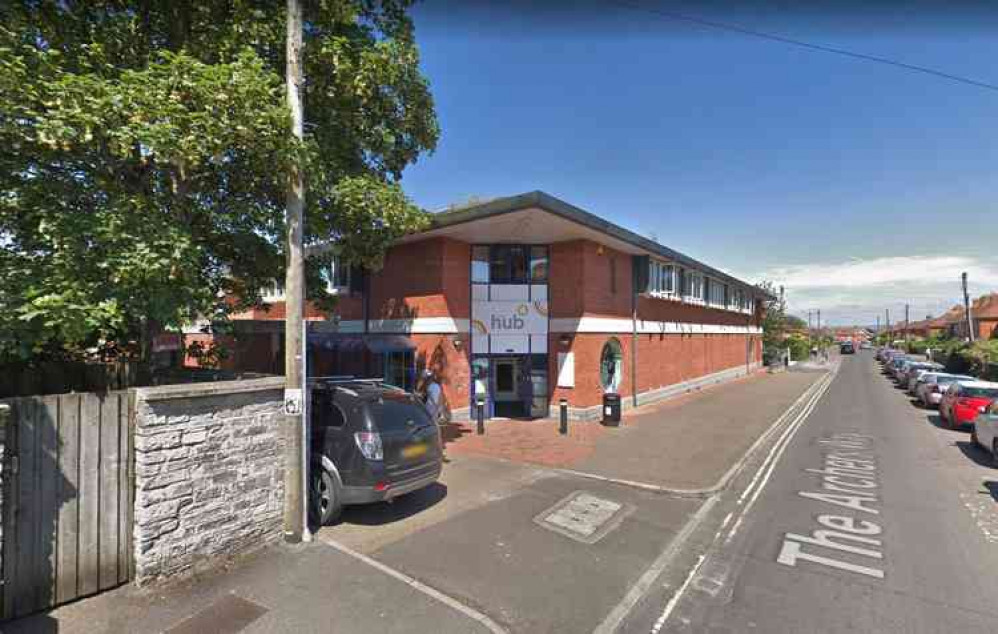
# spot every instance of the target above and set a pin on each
(413, 451)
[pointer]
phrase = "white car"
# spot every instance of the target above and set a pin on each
(985, 432)
(933, 385)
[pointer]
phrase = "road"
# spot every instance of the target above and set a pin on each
(868, 518)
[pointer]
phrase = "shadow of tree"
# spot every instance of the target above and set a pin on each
(33, 498)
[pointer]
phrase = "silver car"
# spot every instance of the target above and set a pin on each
(985, 432)
(915, 370)
(932, 386)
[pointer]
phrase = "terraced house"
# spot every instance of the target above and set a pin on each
(523, 301)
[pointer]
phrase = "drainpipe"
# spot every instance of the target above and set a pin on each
(634, 334)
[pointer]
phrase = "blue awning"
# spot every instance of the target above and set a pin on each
(377, 344)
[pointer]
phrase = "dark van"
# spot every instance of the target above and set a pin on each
(371, 442)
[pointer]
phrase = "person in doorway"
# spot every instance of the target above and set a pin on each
(432, 395)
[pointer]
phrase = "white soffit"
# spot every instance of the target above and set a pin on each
(526, 226)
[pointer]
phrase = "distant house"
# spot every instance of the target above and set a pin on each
(985, 315)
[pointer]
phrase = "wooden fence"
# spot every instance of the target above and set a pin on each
(67, 499)
(59, 377)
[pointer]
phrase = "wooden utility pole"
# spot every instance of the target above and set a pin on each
(294, 294)
(906, 323)
(966, 307)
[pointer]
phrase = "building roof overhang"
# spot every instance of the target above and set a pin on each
(539, 218)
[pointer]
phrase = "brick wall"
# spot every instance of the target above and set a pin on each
(663, 361)
(209, 478)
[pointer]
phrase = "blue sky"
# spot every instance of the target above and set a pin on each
(859, 186)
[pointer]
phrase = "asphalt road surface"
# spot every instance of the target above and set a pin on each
(869, 518)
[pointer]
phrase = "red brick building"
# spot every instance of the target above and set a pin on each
(526, 300)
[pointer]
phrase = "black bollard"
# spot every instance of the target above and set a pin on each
(481, 416)
(563, 418)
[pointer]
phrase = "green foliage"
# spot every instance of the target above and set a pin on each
(144, 153)
(800, 347)
(774, 323)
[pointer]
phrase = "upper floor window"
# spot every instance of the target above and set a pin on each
(337, 276)
(693, 286)
(716, 293)
(661, 278)
(509, 264)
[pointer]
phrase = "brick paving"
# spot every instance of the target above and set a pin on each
(687, 442)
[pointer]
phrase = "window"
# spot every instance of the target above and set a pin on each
(716, 293)
(661, 278)
(509, 264)
(273, 292)
(693, 286)
(337, 276)
(400, 369)
(538, 264)
(480, 264)
(611, 366)
(668, 279)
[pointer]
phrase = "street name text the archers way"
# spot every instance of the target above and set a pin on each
(848, 481)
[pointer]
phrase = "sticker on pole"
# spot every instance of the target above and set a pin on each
(292, 402)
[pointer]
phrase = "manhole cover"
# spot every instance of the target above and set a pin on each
(584, 517)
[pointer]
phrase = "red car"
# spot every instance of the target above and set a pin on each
(963, 400)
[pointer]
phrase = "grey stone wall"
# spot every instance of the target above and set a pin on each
(209, 474)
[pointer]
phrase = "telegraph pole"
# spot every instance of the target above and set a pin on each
(294, 294)
(966, 307)
(887, 325)
(906, 307)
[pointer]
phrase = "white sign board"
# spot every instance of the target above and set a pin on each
(510, 318)
(566, 369)
(292, 402)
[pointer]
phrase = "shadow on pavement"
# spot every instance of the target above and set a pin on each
(396, 510)
(980, 456)
(992, 488)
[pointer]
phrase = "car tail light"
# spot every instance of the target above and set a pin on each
(369, 444)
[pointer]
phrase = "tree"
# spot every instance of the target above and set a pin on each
(774, 322)
(144, 149)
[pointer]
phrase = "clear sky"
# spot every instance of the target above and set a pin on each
(860, 186)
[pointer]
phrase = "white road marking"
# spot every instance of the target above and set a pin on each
(415, 584)
(638, 590)
(671, 605)
(755, 487)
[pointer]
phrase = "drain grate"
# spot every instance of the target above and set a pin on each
(584, 517)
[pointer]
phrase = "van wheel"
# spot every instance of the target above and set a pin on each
(326, 501)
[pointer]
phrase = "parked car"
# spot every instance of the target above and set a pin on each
(847, 347)
(985, 433)
(932, 385)
(866, 345)
(370, 442)
(896, 364)
(959, 405)
(917, 369)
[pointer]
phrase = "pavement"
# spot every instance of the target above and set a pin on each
(866, 517)
(688, 442)
(567, 534)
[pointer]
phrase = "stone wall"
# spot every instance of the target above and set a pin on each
(209, 474)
